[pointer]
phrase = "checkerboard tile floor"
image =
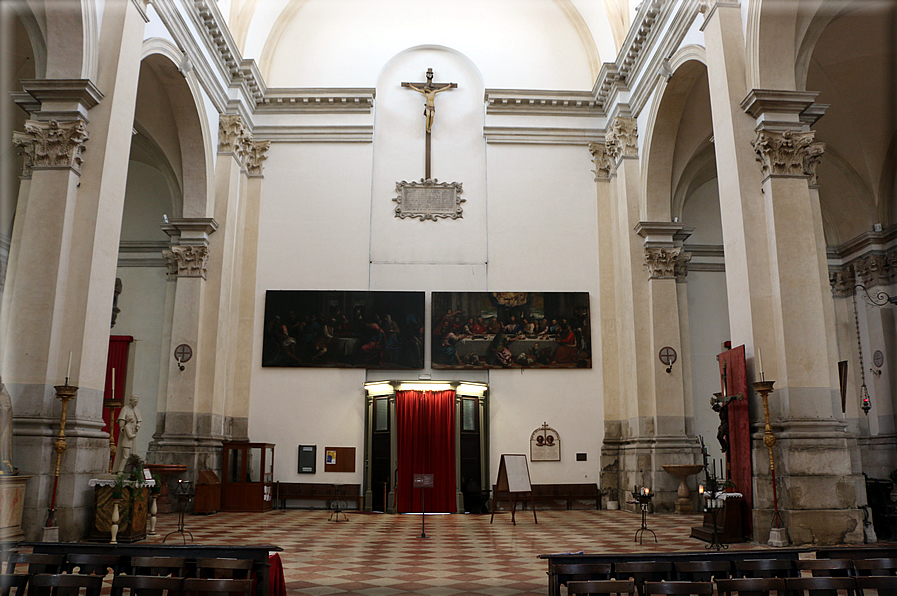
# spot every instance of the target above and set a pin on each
(384, 555)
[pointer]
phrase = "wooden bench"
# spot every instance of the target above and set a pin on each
(307, 491)
(551, 494)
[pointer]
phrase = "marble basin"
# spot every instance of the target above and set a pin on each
(682, 472)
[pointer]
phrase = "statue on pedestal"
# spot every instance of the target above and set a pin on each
(6, 467)
(129, 420)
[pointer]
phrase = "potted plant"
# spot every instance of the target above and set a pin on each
(729, 486)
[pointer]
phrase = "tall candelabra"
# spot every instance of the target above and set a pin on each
(66, 393)
(777, 531)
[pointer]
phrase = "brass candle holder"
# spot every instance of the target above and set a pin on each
(764, 388)
(66, 393)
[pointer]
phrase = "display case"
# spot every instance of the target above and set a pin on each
(247, 478)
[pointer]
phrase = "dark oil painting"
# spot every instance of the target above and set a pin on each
(476, 330)
(350, 329)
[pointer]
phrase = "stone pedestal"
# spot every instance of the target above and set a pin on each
(682, 472)
(12, 503)
(133, 506)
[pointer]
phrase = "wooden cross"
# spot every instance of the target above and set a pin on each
(429, 91)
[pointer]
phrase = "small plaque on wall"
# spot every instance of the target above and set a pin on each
(308, 459)
(545, 444)
(339, 459)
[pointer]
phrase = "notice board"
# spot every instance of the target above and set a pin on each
(339, 459)
(513, 474)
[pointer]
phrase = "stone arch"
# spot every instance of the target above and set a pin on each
(70, 35)
(172, 114)
(770, 44)
(663, 135)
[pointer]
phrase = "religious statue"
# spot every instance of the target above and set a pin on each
(6, 467)
(429, 91)
(721, 406)
(129, 420)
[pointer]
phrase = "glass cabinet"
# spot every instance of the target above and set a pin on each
(247, 480)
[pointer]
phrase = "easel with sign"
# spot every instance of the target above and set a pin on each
(423, 482)
(513, 478)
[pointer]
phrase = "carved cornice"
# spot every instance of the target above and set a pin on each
(866, 242)
(61, 99)
(782, 154)
(317, 101)
(661, 262)
(52, 145)
(315, 134)
(524, 102)
(811, 160)
(842, 281)
(766, 102)
(602, 161)
(192, 260)
(872, 270)
(258, 153)
(621, 139)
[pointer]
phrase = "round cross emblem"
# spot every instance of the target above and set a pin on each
(667, 355)
(183, 353)
(878, 358)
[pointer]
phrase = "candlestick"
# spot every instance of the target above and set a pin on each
(760, 364)
(714, 468)
(68, 371)
(113, 383)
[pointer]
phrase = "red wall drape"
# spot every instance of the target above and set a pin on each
(426, 442)
(117, 359)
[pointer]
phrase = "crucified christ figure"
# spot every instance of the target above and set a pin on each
(429, 91)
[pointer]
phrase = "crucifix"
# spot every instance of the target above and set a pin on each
(429, 91)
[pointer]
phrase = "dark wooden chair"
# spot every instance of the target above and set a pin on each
(678, 588)
(825, 567)
(13, 584)
(875, 567)
(751, 586)
(881, 585)
(765, 568)
(644, 571)
(567, 572)
(159, 566)
(821, 586)
(702, 571)
(603, 587)
(91, 564)
(65, 584)
(146, 585)
(219, 568)
(196, 585)
(37, 563)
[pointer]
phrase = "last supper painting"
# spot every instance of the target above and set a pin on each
(344, 329)
(480, 330)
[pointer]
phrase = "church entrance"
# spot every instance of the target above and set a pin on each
(423, 430)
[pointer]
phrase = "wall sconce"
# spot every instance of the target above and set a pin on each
(881, 298)
(183, 353)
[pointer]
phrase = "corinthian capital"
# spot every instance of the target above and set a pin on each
(192, 260)
(681, 266)
(842, 281)
(622, 138)
(232, 134)
(783, 153)
(872, 270)
(52, 145)
(601, 159)
(811, 160)
(661, 262)
(257, 152)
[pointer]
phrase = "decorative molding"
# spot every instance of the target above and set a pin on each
(602, 161)
(843, 281)
(141, 8)
(891, 265)
(524, 102)
(811, 160)
(256, 154)
(192, 260)
(315, 134)
(62, 99)
(872, 270)
(171, 261)
(661, 262)
(52, 145)
(317, 101)
(865, 242)
(622, 138)
(763, 102)
(540, 136)
(782, 153)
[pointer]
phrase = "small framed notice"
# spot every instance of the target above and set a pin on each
(423, 481)
(339, 459)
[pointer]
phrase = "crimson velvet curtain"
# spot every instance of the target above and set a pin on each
(426, 443)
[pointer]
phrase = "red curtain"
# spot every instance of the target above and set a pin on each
(117, 359)
(426, 443)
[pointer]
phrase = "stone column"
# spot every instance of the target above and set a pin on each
(606, 346)
(182, 440)
(66, 249)
(818, 471)
(245, 290)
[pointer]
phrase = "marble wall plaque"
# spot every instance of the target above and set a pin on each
(428, 199)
